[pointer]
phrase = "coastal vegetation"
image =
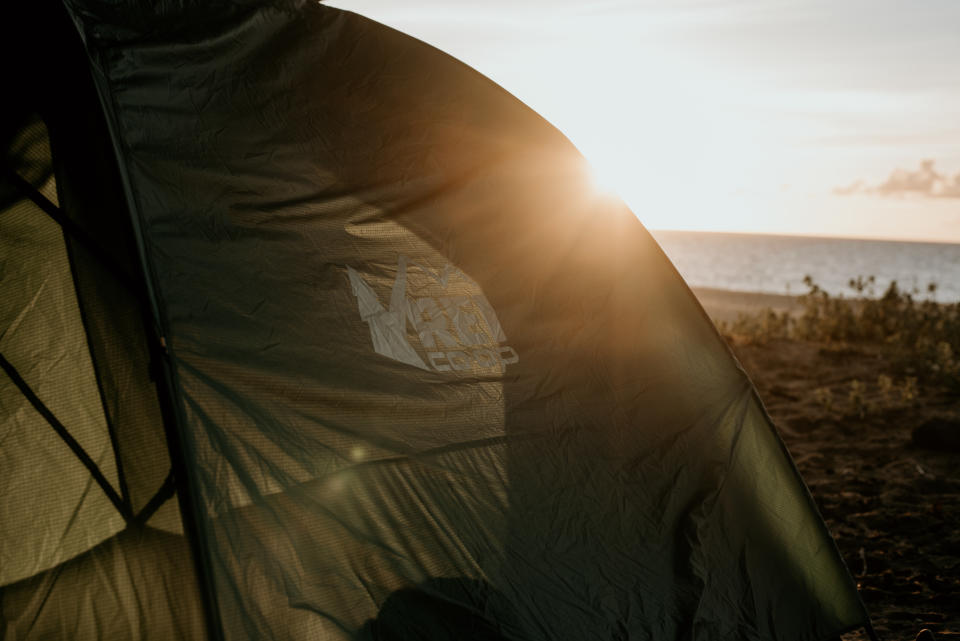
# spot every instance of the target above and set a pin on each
(919, 336)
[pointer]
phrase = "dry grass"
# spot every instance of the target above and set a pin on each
(921, 336)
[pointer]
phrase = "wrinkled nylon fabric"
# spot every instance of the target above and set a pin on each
(138, 584)
(50, 508)
(429, 383)
(68, 568)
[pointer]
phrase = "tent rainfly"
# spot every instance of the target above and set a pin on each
(309, 331)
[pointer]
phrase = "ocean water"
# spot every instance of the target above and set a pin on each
(778, 264)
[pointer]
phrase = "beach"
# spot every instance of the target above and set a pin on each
(725, 305)
(863, 429)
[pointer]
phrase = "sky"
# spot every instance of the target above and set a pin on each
(828, 118)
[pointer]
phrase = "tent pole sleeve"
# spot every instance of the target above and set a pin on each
(67, 438)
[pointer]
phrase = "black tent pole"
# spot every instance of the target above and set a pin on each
(67, 438)
(161, 365)
(189, 501)
(164, 387)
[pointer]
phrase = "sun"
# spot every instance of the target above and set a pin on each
(603, 183)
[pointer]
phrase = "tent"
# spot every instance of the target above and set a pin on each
(309, 331)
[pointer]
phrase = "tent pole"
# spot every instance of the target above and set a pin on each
(189, 502)
(118, 503)
(188, 494)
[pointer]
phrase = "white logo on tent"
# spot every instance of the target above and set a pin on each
(450, 331)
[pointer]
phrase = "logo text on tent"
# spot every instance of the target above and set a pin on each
(447, 332)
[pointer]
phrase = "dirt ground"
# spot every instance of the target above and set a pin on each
(892, 505)
(848, 414)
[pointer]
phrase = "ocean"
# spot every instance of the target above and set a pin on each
(778, 264)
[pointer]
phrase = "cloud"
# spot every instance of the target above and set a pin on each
(856, 187)
(925, 182)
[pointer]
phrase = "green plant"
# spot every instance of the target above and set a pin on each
(885, 388)
(908, 390)
(920, 332)
(824, 397)
(857, 398)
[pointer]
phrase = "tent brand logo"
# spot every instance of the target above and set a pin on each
(439, 321)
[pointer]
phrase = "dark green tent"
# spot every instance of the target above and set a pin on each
(308, 331)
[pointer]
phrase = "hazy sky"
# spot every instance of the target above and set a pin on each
(838, 117)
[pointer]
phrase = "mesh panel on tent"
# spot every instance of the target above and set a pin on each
(41, 335)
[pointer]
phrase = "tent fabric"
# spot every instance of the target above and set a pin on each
(424, 381)
(41, 334)
(73, 563)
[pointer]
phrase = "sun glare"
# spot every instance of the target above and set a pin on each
(693, 167)
(603, 183)
(716, 116)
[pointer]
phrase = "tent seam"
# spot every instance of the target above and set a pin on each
(171, 405)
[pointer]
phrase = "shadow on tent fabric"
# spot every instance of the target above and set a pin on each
(443, 609)
(137, 584)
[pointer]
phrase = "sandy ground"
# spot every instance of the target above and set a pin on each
(892, 505)
(724, 305)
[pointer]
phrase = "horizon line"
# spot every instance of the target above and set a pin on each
(807, 235)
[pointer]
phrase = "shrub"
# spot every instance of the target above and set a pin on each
(922, 331)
